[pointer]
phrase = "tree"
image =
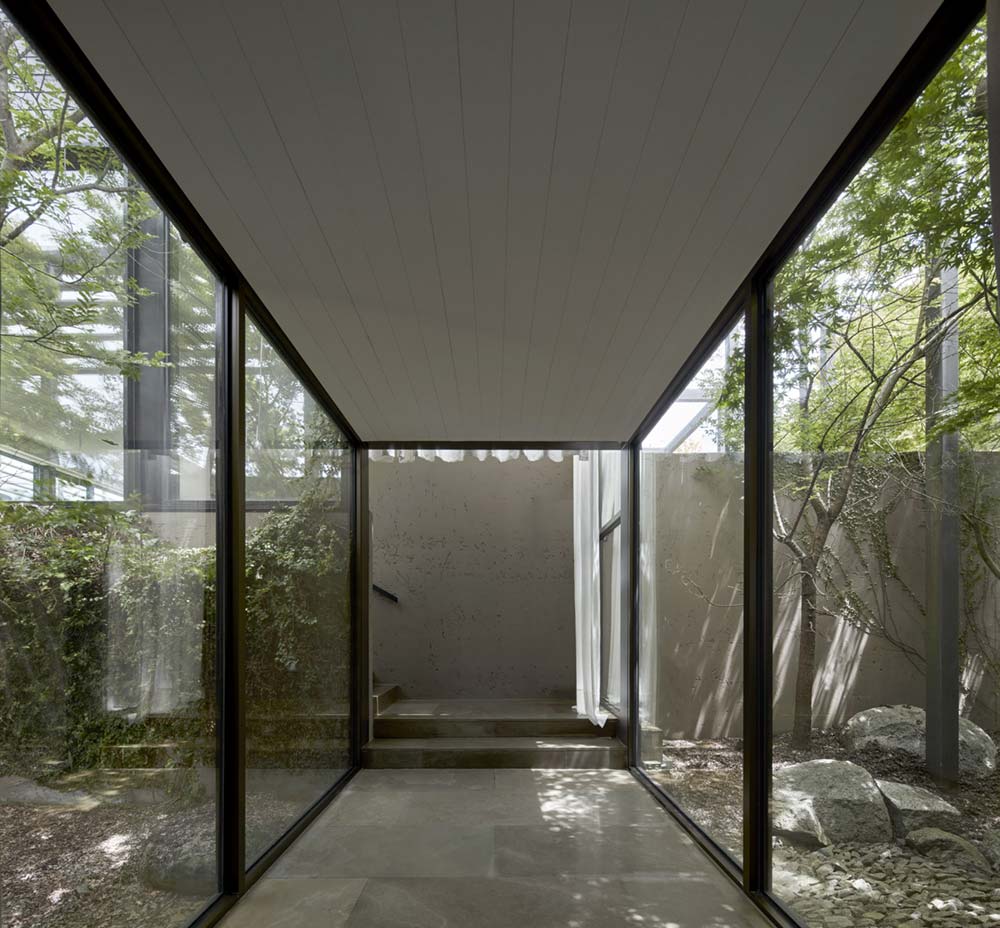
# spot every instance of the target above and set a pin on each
(857, 315)
(69, 214)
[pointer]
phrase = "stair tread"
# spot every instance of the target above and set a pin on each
(483, 710)
(498, 742)
(458, 719)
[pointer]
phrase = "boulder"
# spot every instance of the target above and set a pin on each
(904, 729)
(948, 848)
(821, 802)
(180, 855)
(990, 845)
(912, 807)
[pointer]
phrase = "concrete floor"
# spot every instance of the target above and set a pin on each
(492, 849)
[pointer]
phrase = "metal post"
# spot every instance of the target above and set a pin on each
(147, 397)
(231, 592)
(630, 596)
(360, 593)
(943, 548)
(757, 580)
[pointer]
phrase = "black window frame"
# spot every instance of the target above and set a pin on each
(237, 301)
(940, 38)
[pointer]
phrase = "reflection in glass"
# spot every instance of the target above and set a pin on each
(108, 715)
(298, 619)
(691, 596)
(886, 524)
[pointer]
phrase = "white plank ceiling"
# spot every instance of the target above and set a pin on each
(487, 220)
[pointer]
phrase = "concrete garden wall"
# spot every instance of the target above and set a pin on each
(697, 583)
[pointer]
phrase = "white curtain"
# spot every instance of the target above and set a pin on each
(648, 616)
(587, 585)
(611, 485)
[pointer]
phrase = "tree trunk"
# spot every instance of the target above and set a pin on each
(806, 669)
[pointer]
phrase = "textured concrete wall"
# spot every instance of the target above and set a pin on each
(696, 569)
(692, 567)
(480, 554)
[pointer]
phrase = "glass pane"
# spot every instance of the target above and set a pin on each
(610, 463)
(691, 596)
(108, 715)
(298, 607)
(886, 527)
(192, 371)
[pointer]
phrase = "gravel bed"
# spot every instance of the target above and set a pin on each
(846, 885)
(66, 868)
(867, 885)
(81, 868)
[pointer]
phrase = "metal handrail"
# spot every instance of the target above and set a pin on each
(384, 592)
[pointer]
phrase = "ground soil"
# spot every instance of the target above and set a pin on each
(849, 885)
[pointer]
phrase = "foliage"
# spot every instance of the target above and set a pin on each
(74, 225)
(53, 560)
(862, 308)
(69, 214)
(96, 608)
(297, 601)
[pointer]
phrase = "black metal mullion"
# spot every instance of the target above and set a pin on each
(757, 614)
(231, 594)
(146, 330)
(630, 539)
(361, 586)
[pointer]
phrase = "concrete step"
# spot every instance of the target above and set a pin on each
(405, 726)
(147, 755)
(289, 751)
(600, 753)
(383, 696)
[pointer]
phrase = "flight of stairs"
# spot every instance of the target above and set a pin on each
(413, 733)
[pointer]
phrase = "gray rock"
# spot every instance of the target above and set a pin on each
(180, 855)
(20, 791)
(904, 729)
(948, 848)
(828, 802)
(912, 808)
(990, 845)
